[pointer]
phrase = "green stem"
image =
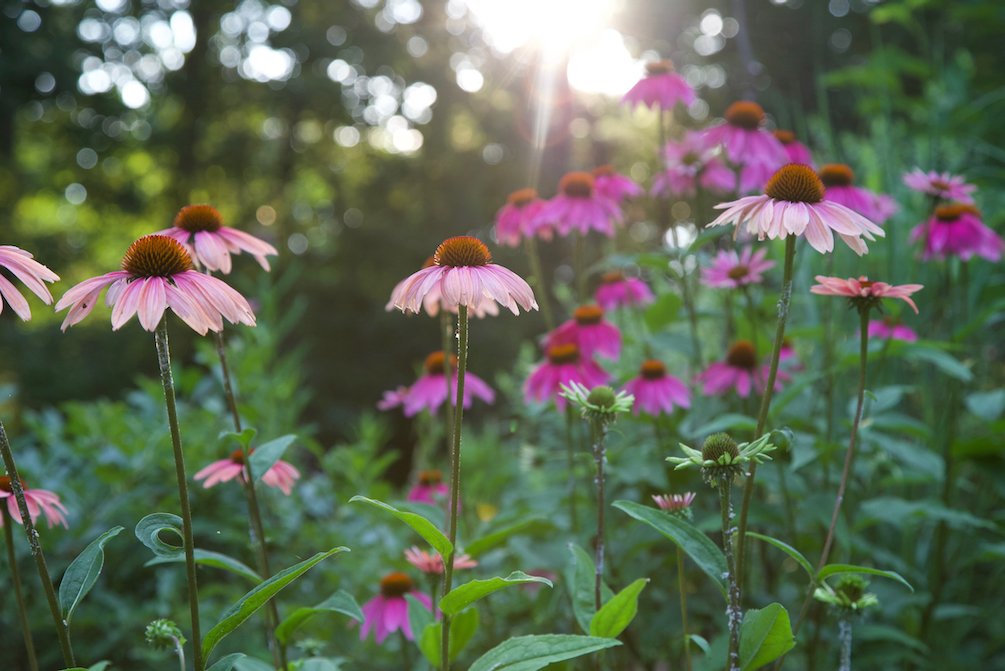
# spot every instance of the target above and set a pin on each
(446, 335)
(15, 575)
(844, 636)
(179, 650)
(683, 607)
(599, 434)
(733, 613)
(164, 361)
(36, 548)
(537, 281)
(570, 453)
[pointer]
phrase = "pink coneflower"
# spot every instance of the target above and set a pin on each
(747, 144)
(690, 164)
(739, 371)
(280, 475)
(430, 489)
(39, 501)
(157, 274)
(674, 503)
(514, 219)
(863, 292)
(464, 274)
(590, 332)
(656, 392)
(957, 230)
(430, 390)
(889, 328)
(787, 355)
(200, 229)
(839, 182)
(942, 185)
(387, 612)
(564, 364)
(33, 274)
(432, 302)
(432, 563)
(617, 291)
(578, 207)
(796, 150)
(393, 398)
(661, 88)
(793, 204)
(614, 186)
(730, 270)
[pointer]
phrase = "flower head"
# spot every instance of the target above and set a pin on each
(655, 391)
(429, 489)
(616, 291)
(864, 293)
(33, 274)
(614, 186)
(942, 185)
(661, 88)
(564, 364)
(200, 229)
(847, 595)
(689, 164)
(432, 563)
(747, 144)
(387, 612)
(430, 390)
(740, 371)
(890, 328)
(590, 331)
(956, 229)
(39, 501)
(280, 475)
(675, 504)
(730, 270)
(432, 302)
(721, 458)
(796, 150)
(601, 404)
(163, 634)
(514, 219)
(579, 206)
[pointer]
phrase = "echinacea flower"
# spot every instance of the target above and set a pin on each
(839, 185)
(430, 390)
(431, 563)
(848, 595)
(564, 364)
(39, 501)
(33, 274)
(614, 186)
(721, 458)
(689, 164)
(655, 391)
(679, 504)
(590, 331)
(157, 274)
(956, 229)
(432, 302)
(514, 219)
(200, 229)
(617, 291)
(464, 274)
(793, 204)
(740, 371)
(430, 488)
(747, 144)
(579, 207)
(796, 150)
(730, 270)
(387, 612)
(864, 293)
(889, 328)
(393, 398)
(942, 185)
(280, 475)
(600, 404)
(661, 88)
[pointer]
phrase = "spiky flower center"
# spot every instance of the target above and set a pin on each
(837, 174)
(602, 397)
(605, 170)
(865, 283)
(691, 158)
(796, 183)
(653, 370)
(742, 355)
(156, 256)
(564, 353)
(851, 587)
(5, 485)
(745, 114)
(237, 456)
(430, 477)
(655, 68)
(577, 184)
(738, 272)
(435, 363)
(198, 218)
(588, 315)
(612, 277)
(941, 184)
(396, 584)
(462, 250)
(718, 445)
(784, 136)
(430, 261)
(954, 211)
(522, 197)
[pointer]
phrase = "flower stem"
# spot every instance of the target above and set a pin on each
(446, 335)
(599, 449)
(15, 575)
(570, 453)
(537, 281)
(844, 636)
(733, 613)
(683, 608)
(36, 548)
(179, 651)
(164, 361)
(455, 474)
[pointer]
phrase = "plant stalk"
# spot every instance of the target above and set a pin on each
(446, 335)
(734, 614)
(844, 636)
(15, 575)
(599, 455)
(683, 608)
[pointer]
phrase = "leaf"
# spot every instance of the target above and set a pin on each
(339, 602)
(462, 629)
(530, 653)
(252, 664)
(100, 666)
(214, 559)
(945, 362)
(663, 311)
(148, 532)
(615, 615)
(234, 616)
(464, 595)
(789, 550)
(835, 569)
(582, 586)
(226, 663)
(726, 422)
(419, 616)
(243, 439)
(267, 454)
(700, 642)
(987, 405)
(82, 573)
(696, 544)
(499, 536)
(765, 635)
(419, 524)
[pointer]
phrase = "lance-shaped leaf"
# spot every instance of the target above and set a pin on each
(530, 653)
(464, 595)
(339, 602)
(82, 573)
(417, 522)
(615, 615)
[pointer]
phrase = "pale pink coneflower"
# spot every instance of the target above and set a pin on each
(431, 563)
(740, 371)
(514, 219)
(280, 475)
(432, 302)
(839, 185)
(660, 88)
(957, 230)
(578, 207)
(889, 328)
(157, 274)
(688, 165)
(747, 144)
(430, 390)
(590, 332)
(387, 612)
(617, 291)
(200, 229)
(864, 293)
(33, 274)
(393, 398)
(793, 204)
(564, 364)
(614, 186)
(655, 391)
(429, 489)
(942, 185)
(674, 503)
(796, 150)
(730, 270)
(39, 501)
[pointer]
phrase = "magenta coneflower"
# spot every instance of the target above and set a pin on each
(674, 503)
(157, 274)
(578, 207)
(564, 364)
(740, 371)
(590, 332)
(393, 398)
(661, 88)
(863, 292)
(39, 501)
(614, 186)
(430, 390)
(793, 204)
(429, 489)
(957, 230)
(464, 274)
(839, 182)
(942, 185)
(431, 563)
(747, 144)
(280, 475)
(33, 274)
(432, 302)
(730, 270)
(200, 229)
(655, 391)
(796, 150)
(690, 164)
(387, 612)
(514, 219)
(617, 291)
(890, 328)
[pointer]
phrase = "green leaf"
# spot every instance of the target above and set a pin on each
(82, 573)
(663, 311)
(944, 361)
(252, 664)
(148, 532)
(988, 405)
(530, 653)
(765, 635)
(100, 666)
(696, 544)
(582, 585)
(789, 550)
(419, 524)
(499, 536)
(243, 439)
(430, 642)
(701, 643)
(615, 615)
(339, 602)
(462, 628)
(419, 615)
(234, 616)
(267, 454)
(214, 559)
(227, 663)
(464, 595)
(835, 569)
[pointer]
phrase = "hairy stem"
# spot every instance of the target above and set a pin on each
(599, 449)
(15, 576)
(570, 453)
(844, 636)
(446, 336)
(734, 614)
